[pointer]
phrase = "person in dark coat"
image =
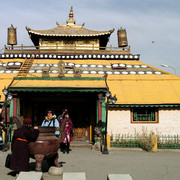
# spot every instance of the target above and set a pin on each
(20, 146)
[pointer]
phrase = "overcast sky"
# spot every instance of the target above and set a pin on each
(145, 21)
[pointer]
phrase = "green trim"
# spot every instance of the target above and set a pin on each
(10, 120)
(143, 105)
(97, 112)
(61, 78)
(11, 109)
(56, 89)
(103, 116)
(17, 107)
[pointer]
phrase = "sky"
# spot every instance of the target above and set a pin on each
(153, 26)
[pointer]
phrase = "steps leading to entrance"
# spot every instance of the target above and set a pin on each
(81, 144)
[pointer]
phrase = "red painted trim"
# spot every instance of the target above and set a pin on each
(99, 111)
(14, 106)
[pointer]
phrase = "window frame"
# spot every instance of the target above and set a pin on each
(151, 122)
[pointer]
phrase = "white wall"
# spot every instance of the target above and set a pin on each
(119, 122)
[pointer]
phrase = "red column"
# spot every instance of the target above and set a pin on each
(99, 112)
(14, 106)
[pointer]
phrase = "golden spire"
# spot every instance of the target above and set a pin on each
(71, 21)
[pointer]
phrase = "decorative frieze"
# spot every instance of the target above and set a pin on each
(80, 56)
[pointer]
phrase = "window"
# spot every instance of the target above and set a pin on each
(144, 115)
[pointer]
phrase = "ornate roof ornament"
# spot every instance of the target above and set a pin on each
(12, 37)
(71, 21)
(122, 37)
(69, 30)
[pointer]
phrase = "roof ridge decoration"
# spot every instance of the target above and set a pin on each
(71, 21)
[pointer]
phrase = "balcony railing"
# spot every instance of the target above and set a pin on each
(66, 49)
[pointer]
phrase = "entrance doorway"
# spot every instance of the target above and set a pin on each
(81, 107)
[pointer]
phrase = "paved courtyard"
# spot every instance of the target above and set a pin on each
(141, 165)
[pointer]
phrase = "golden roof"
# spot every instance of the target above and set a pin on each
(135, 83)
(46, 83)
(69, 30)
(148, 89)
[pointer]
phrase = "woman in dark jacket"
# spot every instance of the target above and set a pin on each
(20, 146)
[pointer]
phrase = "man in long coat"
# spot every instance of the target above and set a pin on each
(20, 146)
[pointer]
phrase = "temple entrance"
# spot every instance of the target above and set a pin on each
(81, 107)
(82, 114)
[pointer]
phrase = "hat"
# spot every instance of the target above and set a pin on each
(27, 121)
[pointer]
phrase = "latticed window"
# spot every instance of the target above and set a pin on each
(144, 114)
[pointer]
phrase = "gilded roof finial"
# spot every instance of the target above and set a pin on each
(71, 21)
(71, 15)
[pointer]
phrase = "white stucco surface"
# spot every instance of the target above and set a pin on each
(119, 122)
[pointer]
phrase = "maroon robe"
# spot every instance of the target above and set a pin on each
(20, 148)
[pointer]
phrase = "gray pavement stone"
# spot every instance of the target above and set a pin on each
(119, 177)
(74, 176)
(141, 165)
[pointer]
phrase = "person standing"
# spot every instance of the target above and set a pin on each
(20, 146)
(68, 129)
(51, 121)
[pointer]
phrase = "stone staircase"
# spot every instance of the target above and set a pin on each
(81, 144)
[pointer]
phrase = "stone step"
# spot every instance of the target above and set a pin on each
(30, 175)
(80, 144)
(119, 177)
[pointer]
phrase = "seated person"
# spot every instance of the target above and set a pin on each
(51, 121)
